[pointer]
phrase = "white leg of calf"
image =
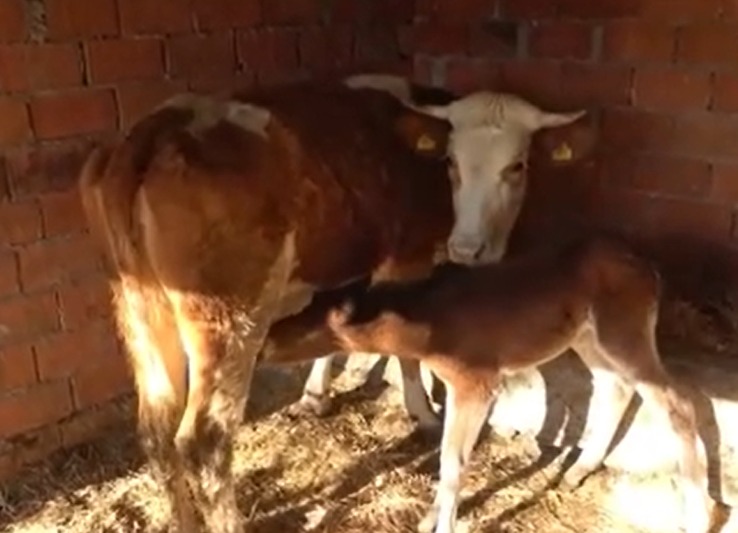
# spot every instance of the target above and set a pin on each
(610, 398)
(316, 393)
(465, 417)
(680, 412)
(416, 400)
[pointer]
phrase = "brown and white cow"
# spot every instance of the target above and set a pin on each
(487, 152)
(220, 216)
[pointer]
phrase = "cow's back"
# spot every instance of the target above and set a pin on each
(215, 188)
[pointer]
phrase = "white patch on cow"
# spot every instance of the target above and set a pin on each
(488, 152)
(209, 111)
(397, 86)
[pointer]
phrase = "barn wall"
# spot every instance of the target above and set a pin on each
(660, 80)
(76, 71)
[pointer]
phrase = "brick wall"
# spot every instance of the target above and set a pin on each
(661, 81)
(73, 72)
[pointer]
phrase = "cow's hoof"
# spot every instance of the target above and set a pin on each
(429, 521)
(311, 405)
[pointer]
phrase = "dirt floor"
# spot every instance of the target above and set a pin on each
(360, 469)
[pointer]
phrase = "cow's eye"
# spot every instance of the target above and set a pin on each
(514, 174)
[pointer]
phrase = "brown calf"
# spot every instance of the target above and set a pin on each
(470, 326)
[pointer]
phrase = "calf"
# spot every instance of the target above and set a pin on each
(473, 325)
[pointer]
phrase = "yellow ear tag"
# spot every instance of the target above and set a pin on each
(563, 152)
(425, 143)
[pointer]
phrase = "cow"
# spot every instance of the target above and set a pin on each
(472, 325)
(218, 216)
(487, 152)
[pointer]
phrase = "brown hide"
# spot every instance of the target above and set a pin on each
(338, 166)
(505, 316)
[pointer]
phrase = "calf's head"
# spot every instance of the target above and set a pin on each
(487, 151)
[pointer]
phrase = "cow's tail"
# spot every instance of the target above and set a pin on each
(108, 187)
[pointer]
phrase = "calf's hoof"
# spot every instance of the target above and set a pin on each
(311, 405)
(574, 477)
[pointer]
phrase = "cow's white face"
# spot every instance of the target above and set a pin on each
(488, 152)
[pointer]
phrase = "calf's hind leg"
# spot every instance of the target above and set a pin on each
(611, 395)
(641, 365)
(468, 402)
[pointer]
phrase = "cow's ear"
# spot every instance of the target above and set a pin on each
(567, 144)
(423, 134)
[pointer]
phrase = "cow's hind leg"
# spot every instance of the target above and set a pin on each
(159, 366)
(467, 407)
(222, 339)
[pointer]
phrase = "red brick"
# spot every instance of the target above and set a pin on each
(24, 317)
(570, 40)
(113, 61)
(292, 11)
(709, 135)
(709, 43)
(12, 20)
(73, 113)
(14, 126)
(595, 85)
(377, 43)
(528, 9)
(19, 223)
(68, 353)
(537, 81)
(81, 18)
(635, 40)
(392, 11)
(223, 85)
(8, 275)
(162, 16)
(40, 168)
(674, 176)
(48, 263)
(137, 99)
(268, 49)
(85, 301)
(671, 89)
(439, 38)
(280, 75)
(703, 220)
(194, 56)
(62, 213)
(625, 130)
(461, 11)
(221, 14)
(725, 92)
(495, 39)
(101, 384)
(680, 10)
(84, 426)
(600, 9)
(464, 75)
(725, 183)
(326, 48)
(28, 448)
(36, 407)
(25, 67)
(17, 368)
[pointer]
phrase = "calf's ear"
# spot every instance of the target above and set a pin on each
(423, 134)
